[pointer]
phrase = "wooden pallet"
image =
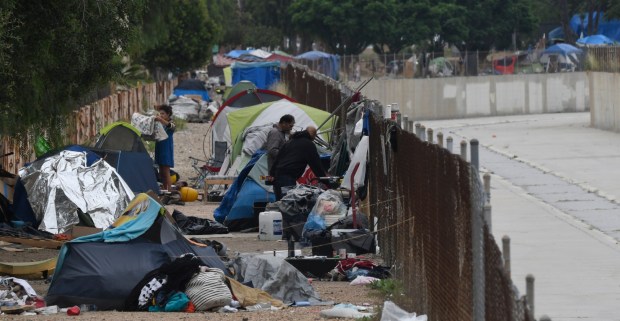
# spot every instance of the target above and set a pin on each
(27, 268)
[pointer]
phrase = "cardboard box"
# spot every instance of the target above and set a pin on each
(78, 231)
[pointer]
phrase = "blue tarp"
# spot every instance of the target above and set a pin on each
(322, 62)
(562, 49)
(237, 53)
(202, 93)
(579, 25)
(595, 40)
(262, 74)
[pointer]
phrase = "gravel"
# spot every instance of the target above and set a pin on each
(189, 142)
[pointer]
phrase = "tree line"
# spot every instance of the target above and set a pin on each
(54, 54)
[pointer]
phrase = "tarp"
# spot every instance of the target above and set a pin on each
(237, 53)
(114, 261)
(595, 40)
(260, 53)
(322, 62)
(62, 187)
(262, 74)
(562, 49)
(236, 210)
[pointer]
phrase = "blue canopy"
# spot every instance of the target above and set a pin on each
(313, 55)
(562, 49)
(595, 40)
(262, 74)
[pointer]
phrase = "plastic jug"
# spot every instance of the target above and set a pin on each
(270, 226)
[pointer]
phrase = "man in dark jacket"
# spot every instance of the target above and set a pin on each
(292, 160)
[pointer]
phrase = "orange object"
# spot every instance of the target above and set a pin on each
(188, 194)
(191, 308)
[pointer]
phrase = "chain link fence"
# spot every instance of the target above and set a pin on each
(428, 204)
(449, 63)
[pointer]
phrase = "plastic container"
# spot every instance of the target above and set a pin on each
(270, 226)
(188, 194)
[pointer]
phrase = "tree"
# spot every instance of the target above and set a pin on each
(272, 19)
(343, 26)
(180, 35)
(54, 51)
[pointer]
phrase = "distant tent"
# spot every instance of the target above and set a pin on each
(121, 146)
(236, 210)
(114, 261)
(262, 74)
(192, 87)
(237, 53)
(241, 86)
(322, 62)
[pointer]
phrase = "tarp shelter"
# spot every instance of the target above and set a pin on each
(121, 146)
(579, 25)
(567, 57)
(192, 87)
(262, 74)
(112, 262)
(236, 210)
(64, 191)
(321, 62)
(595, 40)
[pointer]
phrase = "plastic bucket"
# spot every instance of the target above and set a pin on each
(188, 194)
(270, 226)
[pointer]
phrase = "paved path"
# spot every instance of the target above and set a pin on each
(554, 192)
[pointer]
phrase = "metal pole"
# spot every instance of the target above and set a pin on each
(440, 139)
(449, 143)
(417, 130)
(423, 133)
(429, 133)
(345, 102)
(405, 124)
(464, 150)
(529, 290)
(399, 119)
(487, 187)
(410, 127)
(353, 207)
(474, 152)
(506, 253)
(487, 216)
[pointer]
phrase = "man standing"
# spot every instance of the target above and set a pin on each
(276, 137)
(292, 160)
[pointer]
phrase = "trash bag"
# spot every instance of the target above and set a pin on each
(392, 312)
(328, 205)
(191, 225)
(41, 146)
(295, 207)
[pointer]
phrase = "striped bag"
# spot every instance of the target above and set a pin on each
(208, 290)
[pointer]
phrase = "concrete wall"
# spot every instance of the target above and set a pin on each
(605, 100)
(461, 97)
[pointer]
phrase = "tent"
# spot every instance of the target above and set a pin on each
(321, 62)
(237, 53)
(245, 98)
(561, 57)
(262, 74)
(595, 40)
(192, 87)
(121, 146)
(112, 262)
(236, 210)
(242, 121)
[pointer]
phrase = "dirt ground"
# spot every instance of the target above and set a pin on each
(188, 142)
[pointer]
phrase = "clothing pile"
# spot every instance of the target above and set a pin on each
(183, 285)
(352, 268)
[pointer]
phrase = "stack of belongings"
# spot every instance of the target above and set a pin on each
(329, 228)
(295, 207)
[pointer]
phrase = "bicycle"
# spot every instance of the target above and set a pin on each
(202, 172)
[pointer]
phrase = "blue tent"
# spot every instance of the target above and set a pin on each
(262, 74)
(563, 49)
(322, 62)
(595, 40)
(608, 28)
(236, 210)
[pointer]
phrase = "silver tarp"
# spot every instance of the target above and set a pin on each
(61, 185)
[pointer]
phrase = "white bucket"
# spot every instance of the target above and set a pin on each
(270, 226)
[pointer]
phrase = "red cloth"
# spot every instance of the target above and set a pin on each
(347, 264)
(74, 310)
